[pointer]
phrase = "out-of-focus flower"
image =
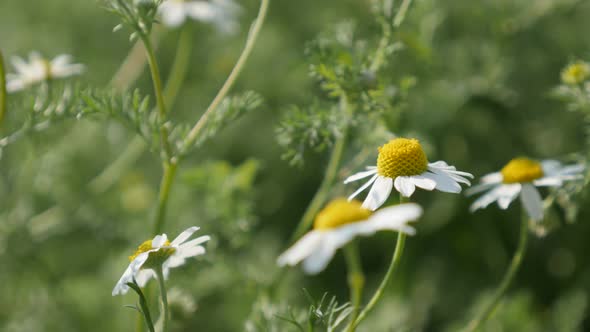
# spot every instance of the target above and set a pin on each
(340, 222)
(521, 176)
(159, 252)
(39, 69)
(403, 164)
(575, 73)
(221, 13)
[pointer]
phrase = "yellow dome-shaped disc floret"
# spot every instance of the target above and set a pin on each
(521, 170)
(340, 212)
(575, 73)
(401, 157)
(155, 258)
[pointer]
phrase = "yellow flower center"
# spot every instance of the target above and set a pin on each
(340, 212)
(521, 170)
(156, 257)
(401, 157)
(575, 73)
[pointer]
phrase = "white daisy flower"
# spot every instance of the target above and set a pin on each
(221, 13)
(520, 177)
(340, 222)
(156, 252)
(403, 164)
(39, 69)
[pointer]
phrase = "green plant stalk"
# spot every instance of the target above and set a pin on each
(401, 13)
(165, 187)
(164, 313)
(489, 309)
(2, 89)
(145, 310)
(356, 281)
(395, 261)
(229, 82)
(321, 195)
(179, 66)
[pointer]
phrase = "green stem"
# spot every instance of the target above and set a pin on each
(395, 260)
(356, 281)
(401, 14)
(321, 195)
(2, 89)
(179, 66)
(489, 309)
(165, 186)
(158, 91)
(229, 82)
(164, 313)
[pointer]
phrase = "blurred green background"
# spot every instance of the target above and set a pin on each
(484, 71)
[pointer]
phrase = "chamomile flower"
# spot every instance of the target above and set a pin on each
(39, 69)
(403, 164)
(520, 177)
(221, 13)
(159, 252)
(575, 73)
(340, 222)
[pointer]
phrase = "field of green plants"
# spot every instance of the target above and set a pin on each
(273, 165)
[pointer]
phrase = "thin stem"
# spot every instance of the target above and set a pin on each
(164, 313)
(2, 89)
(395, 260)
(356, 281)
(158, 91)
(229, 82)
(331, 173)
(165, 186)
(489, 309)
(134, 63)
(401, 14)
(179, 66)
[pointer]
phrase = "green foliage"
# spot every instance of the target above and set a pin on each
(139, 15)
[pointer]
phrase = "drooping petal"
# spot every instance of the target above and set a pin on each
(143, 276)
(394, 218)
(130, 273)
(184, 235)
(532, 201)
(423, 182)
(319, 259)
(363, 187)
(551, 181)
(404, 186)
(486, 199)
(507, 193)
(301, 249)
(195, 242)
(379, 193)
(550, 167)
(444, 183)
(360, 175)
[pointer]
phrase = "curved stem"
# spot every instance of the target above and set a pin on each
(331, 173)
(164, 313)
(179, 66)
(2, 89)
(489, 309)
(356, 281)
(401, 14)
(395, 260)
(250, 42)
(165, 186)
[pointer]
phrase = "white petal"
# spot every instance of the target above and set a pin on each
(131, 272)
(173, 14)
(479, 188)
(394, 218)
(507, 193)
(572, 169)
(551, 181)
(423, 182)
(159, 240)
(14, 85)
(191, 251)
(195, 242)
(201, 11)
(443, 166)
(550, 167)
(363, 187)
(301, 249)
(379, 193)
(444, 183)
(360, 175)
(184, 235)
(532, 202)
(143, 276)
(319, 259)
(492, 178)
(404, 186)
(486, 199)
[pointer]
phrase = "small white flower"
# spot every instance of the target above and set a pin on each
(520, 177)
(221, 13)
(39, 69)
(340, 222)
(403, 164)
(159, 251)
